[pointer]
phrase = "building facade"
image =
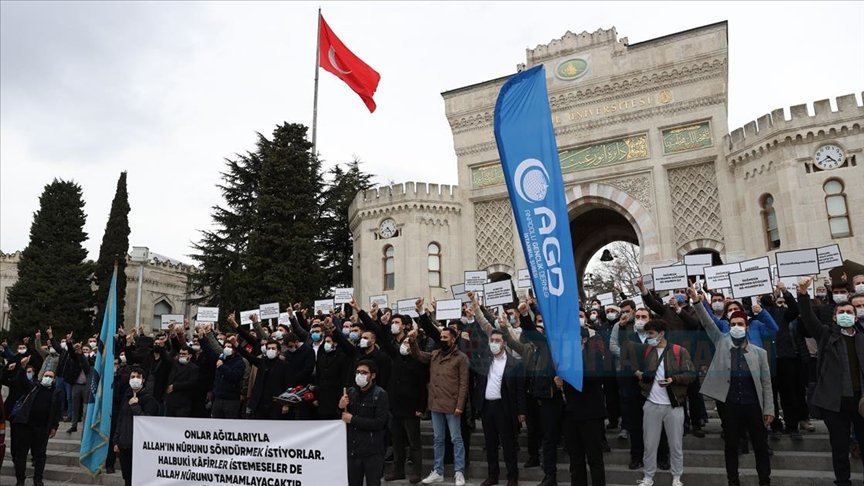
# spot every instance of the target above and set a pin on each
(647, 157)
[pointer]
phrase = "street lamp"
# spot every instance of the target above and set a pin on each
(139, 255)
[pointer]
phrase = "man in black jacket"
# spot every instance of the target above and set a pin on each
(366, 411)
(79, 362)
(299, 366)
(227, 377)
(34, 424)
(182, 386)
(332, 370)
(270, 381)
(137, 401)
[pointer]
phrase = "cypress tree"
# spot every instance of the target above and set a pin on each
(114, 247)
(53, 287)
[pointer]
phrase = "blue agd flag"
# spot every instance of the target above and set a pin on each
(532, 170)
(96, 436)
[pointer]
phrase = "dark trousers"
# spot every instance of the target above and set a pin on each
(633, 401)
(613, 402)
(583, 437)
(789, 384)
(366, 467)
(499, 427)
(126, 465)
(33, 440)
(694, 412)
(838, 424)
(532, 423)
(739, 418)
(406, 432)
(551, 410)
(111, 458)
(223, 408)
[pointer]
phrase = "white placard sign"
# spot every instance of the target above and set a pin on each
(751, 283)
(284, 319)
(696, 263)
(755, 263)
(498, 293)
(523, 280)
(208, 314)
(168, 319)
(407, 307)
(459, 292)
(718, 277)
(474, 280)
(606, 299)
(269, 311)
(637, 299)
(170, 451)
(324, 306)
(670, 278)
(343, 296)
(448, 309)
(829, 257)
(381, 300)
(647, 281)
(246, 316)
(797, 263)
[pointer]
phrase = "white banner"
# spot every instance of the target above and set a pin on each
(474, 280)
(718, 277)
(208, 314)
(606, 299)
(381, 300)
(324, 306)
(696, 263)
(284, 319)
(797, 263)
(168, 451)
(829, 257)
(761, 262)
(407, 307)
(670, 278)
(268, 311)
(460, 293)
(523, 278)
(752, 283)
(343, 296)
(448, 309)
(498, 293)
(246, 316)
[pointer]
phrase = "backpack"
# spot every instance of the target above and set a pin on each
(676, 351)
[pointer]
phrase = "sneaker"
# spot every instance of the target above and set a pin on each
(74, 428)
(807, 425)
(645, 482)
(433, 477)
(623, 435)
(635, 464)
(677, 482)
(459, 479)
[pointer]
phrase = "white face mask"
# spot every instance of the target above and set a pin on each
(364, 343)
(737, 332)
(47, 381)
(640, 324)
(845, 320)
(859, 289)
(859, 313)
(22, 350)
(361, 380)
(271, 353)
(328, 347)
(92, 344)
(841, 298)
(395, 329)
(135, 383)
(64, 346)
(92, 354)
(123, 358)
(227, 352)
(183, 360)
(612, 316)
(495, 348)
(195, 347)
(277, 335)
(404, 349)
(717, 306)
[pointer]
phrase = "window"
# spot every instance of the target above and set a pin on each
(838, 213)
(389, 268)
(434, 263)
(160, 308)
(769, 221)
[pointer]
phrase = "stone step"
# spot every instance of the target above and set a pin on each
(61, 474)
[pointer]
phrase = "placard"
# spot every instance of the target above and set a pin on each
(208, 314)
(761, 262)
(696, 263)
(170, 451)
(448, 309)
(523, 279)
(637, 299)
(324, 306)
(343, 295)
(829, 257)
(498, 293)
(670, 278)
(246, 316)
(751, 283)
(718, 277)
(647, 281)
(798, 263)
(169, 319)
(459, 292)
(407, 307)
(269, 311)
(474, 280)
(382, 301)
(606, 299)
(284, 318)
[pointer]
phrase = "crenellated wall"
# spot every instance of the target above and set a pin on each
(571, 42)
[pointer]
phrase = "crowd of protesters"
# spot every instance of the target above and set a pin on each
(770, 364)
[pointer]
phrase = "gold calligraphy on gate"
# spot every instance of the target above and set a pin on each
(688, 137)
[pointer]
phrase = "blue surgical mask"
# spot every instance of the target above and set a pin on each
(29, 376)
(316, 336)
(845, 320)
(653, 342)
(354, 336)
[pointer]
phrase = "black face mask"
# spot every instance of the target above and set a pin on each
(739, 341)
(445, 345)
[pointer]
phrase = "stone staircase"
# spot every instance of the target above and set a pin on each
(805, 463)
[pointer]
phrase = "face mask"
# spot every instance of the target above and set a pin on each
(346, 331)
(92, 354)
(640, 324)
(47, 381)
(271, 353)
(277, 335)
(512, 321)
(445, 345)
(221, 342)
(328, 347)
(22, 350)
(195, 347)
(653, 342)
(361, 380)
(395, 329)
(52, 351)
(495, 348)
(718, 306)
(841, 298)
(593, 318)
(364, 343)
(135, 383)
(293, 349)
(612, 316)
(64, 346)
(845, 320)
(92, 344)
(263, 348)
(404, 349)
(227, 352)
(859, 313)
(821, 295)
(29, 376)
(595, 307)
(316, 337)
(183, 360)
(737, 332)
(123, 358)
(354, 336)
(859, 289)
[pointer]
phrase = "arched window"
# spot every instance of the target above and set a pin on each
(434, 264)
(838, 212)
(161, 307)
(769, 222)
(389, 268)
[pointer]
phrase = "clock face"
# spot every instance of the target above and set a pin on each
(829, 157)
(387, 228)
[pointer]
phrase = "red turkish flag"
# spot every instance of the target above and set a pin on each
(334, 57)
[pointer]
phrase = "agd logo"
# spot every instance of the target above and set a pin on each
(532, 180)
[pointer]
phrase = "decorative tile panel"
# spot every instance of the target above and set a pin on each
(494, 225)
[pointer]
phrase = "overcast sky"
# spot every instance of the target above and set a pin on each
(166, 90)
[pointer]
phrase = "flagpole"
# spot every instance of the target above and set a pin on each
(315, 102)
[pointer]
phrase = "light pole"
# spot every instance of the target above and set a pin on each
(140, 255)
